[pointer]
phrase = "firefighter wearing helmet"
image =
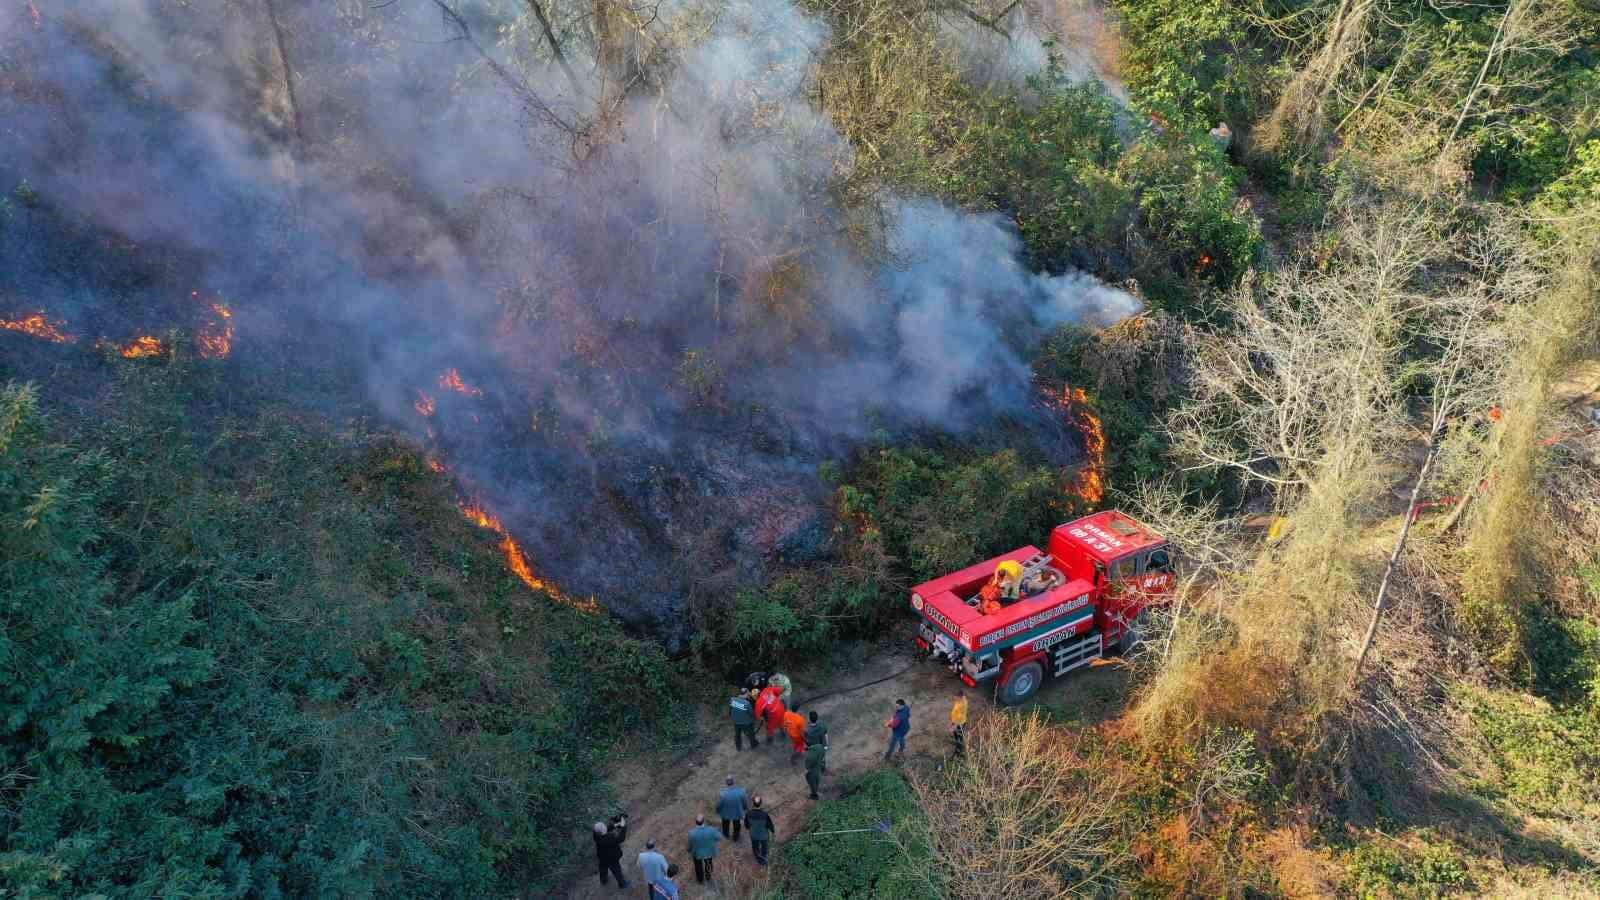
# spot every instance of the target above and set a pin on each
(1005, 587)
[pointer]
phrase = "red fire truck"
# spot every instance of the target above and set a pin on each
(1083, 598)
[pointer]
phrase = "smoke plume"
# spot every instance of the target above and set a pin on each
(641, 267)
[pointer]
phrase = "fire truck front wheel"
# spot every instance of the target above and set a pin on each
(1023, 684)
(1133, 634)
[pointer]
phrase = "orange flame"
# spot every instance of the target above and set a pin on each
(1090, 481)
(216, 341)
(517, 560)
(38, 326)
(424, 405)
(452, 381)
(435, 465)
(142, 346)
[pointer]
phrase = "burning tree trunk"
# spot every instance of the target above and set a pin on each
(1089, 483)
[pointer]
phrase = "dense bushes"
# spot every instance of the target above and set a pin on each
(1133, 374)
(941, 511)
(891, 863)
(906, 514)
(1192, 63)
(262, 659)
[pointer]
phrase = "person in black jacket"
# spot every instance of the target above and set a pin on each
(608, 848)
(761, 830)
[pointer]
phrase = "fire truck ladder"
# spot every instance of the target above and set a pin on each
(1072, 654)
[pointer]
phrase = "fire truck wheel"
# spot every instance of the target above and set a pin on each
(1133, 635)
(1023, 683)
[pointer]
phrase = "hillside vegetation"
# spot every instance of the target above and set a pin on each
(251, 646)
(267, 657)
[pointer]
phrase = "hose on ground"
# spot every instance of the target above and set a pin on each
(896, 674)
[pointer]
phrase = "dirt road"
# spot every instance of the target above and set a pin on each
(664, 803)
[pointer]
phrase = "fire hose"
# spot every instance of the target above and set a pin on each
(896, 674)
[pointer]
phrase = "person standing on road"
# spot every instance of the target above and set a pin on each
(664, 888)
(761, 830)
(794, 725)
(652, 865)
(958, 722)
(770, 708)
(814, 759)
(817, 733)
(608, 848)
(742, 711)
(899, 726)
(731, 806)
(703, 848)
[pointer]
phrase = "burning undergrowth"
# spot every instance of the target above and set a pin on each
(421, 223)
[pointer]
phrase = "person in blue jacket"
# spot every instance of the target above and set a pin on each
(663, 887)
(899, 726)
(703, 841)
(732, 804)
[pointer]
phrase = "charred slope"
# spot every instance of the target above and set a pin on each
(635, 360)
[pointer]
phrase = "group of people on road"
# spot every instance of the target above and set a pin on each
(807, 734)
(737, 809)
(740, 813)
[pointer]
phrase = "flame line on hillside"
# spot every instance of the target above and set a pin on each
(142, 346)
(38, 326)
(1089, 482)
(216, 339)
(451, 380)
(517, 560)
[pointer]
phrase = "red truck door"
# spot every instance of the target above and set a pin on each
(1136, 580)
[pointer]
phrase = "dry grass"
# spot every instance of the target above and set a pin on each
(1499, 549)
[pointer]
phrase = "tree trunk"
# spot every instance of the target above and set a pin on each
(1394, 558)
(555, 48)
(282, 45)
(1477, 83)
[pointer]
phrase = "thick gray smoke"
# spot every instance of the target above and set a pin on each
(659, 283)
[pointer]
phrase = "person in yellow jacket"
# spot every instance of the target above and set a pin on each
(1009, 575)
(1005, 587)
(958, 723)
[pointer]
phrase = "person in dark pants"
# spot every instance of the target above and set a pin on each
(731, 806)
(742, 710)
(814, 758)
(703, 848)
(761, 830)
(608, 848)
(899, 726)
(817, 733)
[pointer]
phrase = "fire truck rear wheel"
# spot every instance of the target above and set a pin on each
(1023, 684)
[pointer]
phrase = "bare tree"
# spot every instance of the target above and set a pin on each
(1461, 375)
(1018, 815)
(1297, 391)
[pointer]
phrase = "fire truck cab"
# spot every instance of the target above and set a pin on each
(1083, 598)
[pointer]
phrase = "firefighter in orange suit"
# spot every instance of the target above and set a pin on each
(1005, 587)
(794, 725)
(770, 708)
